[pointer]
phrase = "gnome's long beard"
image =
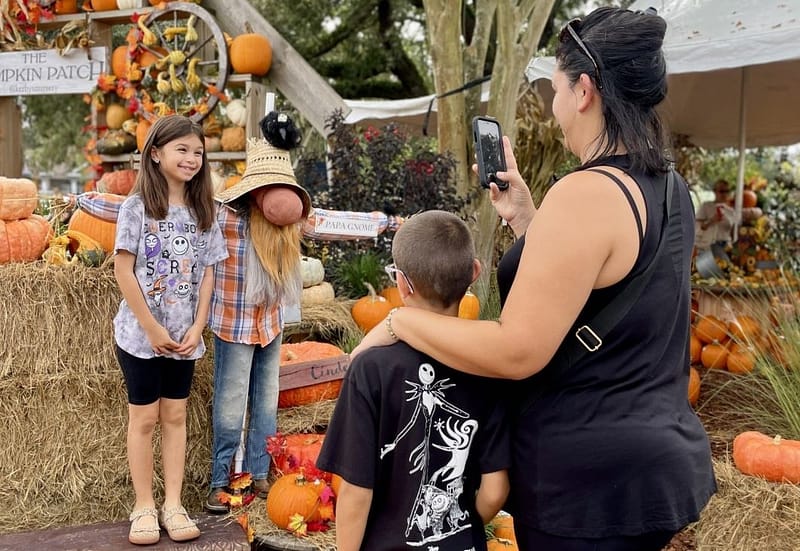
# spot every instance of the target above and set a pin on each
(272, 270)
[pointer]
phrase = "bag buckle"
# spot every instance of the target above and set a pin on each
(588, 338)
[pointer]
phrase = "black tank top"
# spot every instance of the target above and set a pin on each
(609, 445)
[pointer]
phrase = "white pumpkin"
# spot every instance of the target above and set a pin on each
(236, 111)
(128, 4)
(313, 271)
(317, 294)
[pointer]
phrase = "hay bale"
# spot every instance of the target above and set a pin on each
(749, 513)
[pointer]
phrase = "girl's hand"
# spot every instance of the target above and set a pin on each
(191, 340)
(160, 340)
(515, 204)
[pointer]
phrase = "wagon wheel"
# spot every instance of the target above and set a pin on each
(191, 70)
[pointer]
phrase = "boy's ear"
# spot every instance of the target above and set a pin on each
(402, 287)
(476, 269)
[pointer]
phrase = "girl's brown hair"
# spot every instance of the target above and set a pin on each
(151, 184)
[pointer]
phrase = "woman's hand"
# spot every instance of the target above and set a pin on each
(515, 204)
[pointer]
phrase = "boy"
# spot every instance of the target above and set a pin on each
(413, 439)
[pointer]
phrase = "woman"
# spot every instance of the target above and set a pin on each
(608, 453)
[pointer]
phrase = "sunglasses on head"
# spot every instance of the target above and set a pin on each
(569, 31)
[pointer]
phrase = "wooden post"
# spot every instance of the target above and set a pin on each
(10, 138)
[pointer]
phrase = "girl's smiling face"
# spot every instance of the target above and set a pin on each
(181, 159)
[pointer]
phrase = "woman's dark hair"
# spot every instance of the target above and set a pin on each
(632, 75)
(151, 184)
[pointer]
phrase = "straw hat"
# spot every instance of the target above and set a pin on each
(267, 165)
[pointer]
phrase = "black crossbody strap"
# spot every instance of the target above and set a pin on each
(589, 336)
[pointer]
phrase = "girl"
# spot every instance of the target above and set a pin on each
(166, 245)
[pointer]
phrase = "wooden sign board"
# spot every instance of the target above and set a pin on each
(41, 72)
(313, 372)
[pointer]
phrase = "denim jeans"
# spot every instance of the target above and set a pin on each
(244, 375)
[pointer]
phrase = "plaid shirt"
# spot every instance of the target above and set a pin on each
(230, 318)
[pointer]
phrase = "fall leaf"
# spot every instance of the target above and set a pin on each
(297, 525)
(326, 496)
(240, 481)
(325, 512)
(318, 526)
(244, 522)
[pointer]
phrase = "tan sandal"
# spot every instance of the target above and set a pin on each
(178, 524)
(144, 536)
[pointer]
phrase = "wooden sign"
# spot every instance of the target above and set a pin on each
(40, 72)
(313, 372)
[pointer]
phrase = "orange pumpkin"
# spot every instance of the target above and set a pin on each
(19, 197)
(251, 53)
(392, 294)
(469, 307)
(694, 385)
(142, 128)
(291, 452)
(100, 230)
(23, 240)
(232, 180)
(774, 459)
(714, 356)
(744, 329)
(292, 494)
(695, 349)
(740, 359)
(370, 310)
(119, 60)
(710, 329)
(503, 527)
(749, 199)
(336, 483)
(118, 182)
(302, 352)
(104, 5)
(66, 6)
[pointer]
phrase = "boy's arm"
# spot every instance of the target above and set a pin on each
(491, 495)
(352, 510)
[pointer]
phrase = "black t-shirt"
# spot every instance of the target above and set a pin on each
(420, 435)
(608, 445)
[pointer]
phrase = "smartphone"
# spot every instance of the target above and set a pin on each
(488, 140)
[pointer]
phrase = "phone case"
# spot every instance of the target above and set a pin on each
(489, 154)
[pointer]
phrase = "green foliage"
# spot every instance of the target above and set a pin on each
(53, 131)
(376, 170)
(780, 201)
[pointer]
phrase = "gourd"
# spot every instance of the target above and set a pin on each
(212, 144)
(141, 133)
(116, 114)
(469, 307)
(85, 248)
(710, 329)
(250, 53)
(119, 182)
(232, 180)
(18, 198)
(317, 294)
(392, 294)
(370, 310)
(694, 385)
(116, 142)
(104, 5)
(775, 459)
(291, 452)
(100, 230)
(23, 240)
(295, 353)
(312, 271)
(233, 138)
(501, 531)
(236, 111)
(714, 356)
(292, 494)
(119, 61)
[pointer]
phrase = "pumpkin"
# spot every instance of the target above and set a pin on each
(312, 270)
(370, 310)
(118, 182)
(66, 6)
(233, 138)
(317, 294)
(302, 352)
(741, 359)
(749, 199)
(116, 114)
(212, 144)
(694, 385)
(236, 111)
(695, 349)
(710, 329)
(495, 544)
(503, 527)
(775, 459)
(119, 61)
(392, 294)
(104, 5)
(336, 483)
(250, 53)
(100, 230)
(23, 240)
(469, 307)
(292, 494)
(714, 356)
(116, 142)
(744, 328)
(19, 197)
(141, 133)
(292, 452)
(85, 249)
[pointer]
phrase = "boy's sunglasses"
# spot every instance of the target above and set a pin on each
(392, 270)
(569, 31)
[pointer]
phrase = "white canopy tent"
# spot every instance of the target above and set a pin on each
(734, 72)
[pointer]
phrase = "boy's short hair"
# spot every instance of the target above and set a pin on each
(434, 249)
